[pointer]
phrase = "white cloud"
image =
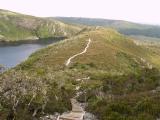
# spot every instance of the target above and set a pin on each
(145, 11)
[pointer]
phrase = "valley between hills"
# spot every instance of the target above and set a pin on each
(97, 70)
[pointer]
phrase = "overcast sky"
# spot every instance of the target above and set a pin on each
(142, 11)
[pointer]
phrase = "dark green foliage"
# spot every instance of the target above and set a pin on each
(127, 97)
(83, 66)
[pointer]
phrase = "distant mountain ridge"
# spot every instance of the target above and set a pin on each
(124, 27)
(15, 26)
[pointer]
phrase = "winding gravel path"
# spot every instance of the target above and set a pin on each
(77, 112)
(84, 51)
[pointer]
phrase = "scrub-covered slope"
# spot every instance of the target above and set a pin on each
(114, 74)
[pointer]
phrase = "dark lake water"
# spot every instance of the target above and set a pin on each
(11, 55)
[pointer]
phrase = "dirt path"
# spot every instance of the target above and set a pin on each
(84, 51)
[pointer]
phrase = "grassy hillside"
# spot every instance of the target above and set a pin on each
(15, 26)
(116, 75)
(124, 27)
(108, 51)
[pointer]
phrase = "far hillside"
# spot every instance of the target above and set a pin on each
(124, 27)
(16, 27)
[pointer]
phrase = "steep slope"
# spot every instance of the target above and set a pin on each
(111, 69)
(15, 26)
(124, 27)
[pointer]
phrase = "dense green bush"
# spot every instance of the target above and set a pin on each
(127, 97)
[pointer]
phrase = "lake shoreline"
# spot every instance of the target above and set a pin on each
(39, 41)
(13, 53)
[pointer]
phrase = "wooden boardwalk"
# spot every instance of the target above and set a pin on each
(77, 112)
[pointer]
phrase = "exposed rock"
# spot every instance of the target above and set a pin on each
(1, 36)
(50, 117)
(2, 68)
(89, 116)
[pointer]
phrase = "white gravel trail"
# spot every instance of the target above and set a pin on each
(84, 51)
